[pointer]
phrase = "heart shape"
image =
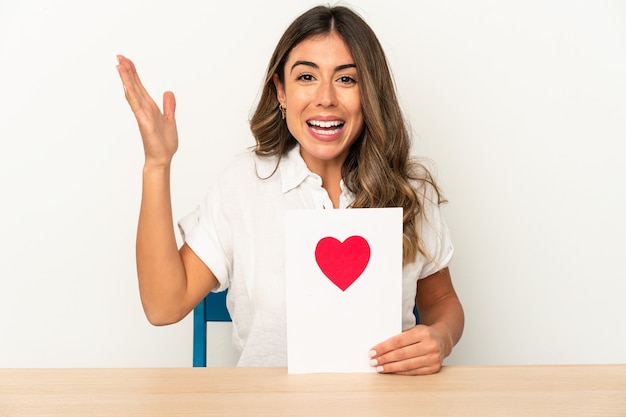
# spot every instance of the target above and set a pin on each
(343, 262)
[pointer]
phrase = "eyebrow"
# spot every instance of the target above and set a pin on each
(314, 65)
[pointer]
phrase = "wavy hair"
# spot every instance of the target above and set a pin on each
(379, 169)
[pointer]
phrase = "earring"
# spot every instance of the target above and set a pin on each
(283, 111)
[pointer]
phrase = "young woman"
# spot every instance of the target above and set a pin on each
(329, 134)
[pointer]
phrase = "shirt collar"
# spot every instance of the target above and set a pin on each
(293, 169)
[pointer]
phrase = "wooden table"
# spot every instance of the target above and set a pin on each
(538, 391)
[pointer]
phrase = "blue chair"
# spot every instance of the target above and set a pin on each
(211, 308)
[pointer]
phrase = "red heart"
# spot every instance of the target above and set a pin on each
(343, 262)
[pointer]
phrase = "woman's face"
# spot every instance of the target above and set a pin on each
(320, 93)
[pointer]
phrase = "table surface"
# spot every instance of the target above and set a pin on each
(545, 390)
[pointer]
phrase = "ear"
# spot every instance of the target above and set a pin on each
(280, 89)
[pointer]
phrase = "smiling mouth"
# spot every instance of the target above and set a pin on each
(325, 127)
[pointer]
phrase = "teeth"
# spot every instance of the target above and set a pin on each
(320, 123)
(325, 132)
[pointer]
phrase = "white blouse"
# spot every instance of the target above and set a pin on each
(238, 232)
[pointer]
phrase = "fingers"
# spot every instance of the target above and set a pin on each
(146, 110)
(134, 91)
(414, 352)
(169, 105)
(408, 361)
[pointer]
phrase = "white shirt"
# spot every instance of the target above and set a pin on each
(238, 232)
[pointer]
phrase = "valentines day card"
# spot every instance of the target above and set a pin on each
(344, 286)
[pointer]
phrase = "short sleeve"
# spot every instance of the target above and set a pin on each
(433, 230)
(206, 230)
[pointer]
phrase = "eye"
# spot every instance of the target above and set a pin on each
(305, 77)
(346, 79)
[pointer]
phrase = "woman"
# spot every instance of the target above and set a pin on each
(329, 134)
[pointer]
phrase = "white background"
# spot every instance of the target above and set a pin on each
(521, 106)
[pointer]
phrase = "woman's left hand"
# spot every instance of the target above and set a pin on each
(422, 349)
(418, 351)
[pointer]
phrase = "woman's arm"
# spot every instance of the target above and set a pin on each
(171, 282)
(422, 349)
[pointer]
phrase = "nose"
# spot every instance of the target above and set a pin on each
(326, 95)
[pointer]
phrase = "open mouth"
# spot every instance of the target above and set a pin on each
(326, 127)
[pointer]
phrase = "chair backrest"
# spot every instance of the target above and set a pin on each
(211, 308)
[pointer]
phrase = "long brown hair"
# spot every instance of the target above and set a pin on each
(379, 170)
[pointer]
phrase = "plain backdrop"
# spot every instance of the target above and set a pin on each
(520, 105)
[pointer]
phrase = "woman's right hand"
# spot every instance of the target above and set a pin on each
(158, 129)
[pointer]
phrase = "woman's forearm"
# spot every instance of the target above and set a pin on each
(160, 270)
(446, 316)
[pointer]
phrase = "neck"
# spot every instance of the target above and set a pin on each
(332, 187)
(330, 172)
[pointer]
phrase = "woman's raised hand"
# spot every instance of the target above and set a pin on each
(158, 129)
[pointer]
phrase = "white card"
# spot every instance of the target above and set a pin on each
(344, 286)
